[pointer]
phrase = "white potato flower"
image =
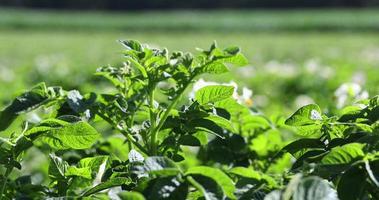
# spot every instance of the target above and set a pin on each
(349, 93)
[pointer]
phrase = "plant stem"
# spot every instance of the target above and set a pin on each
(197, 186)
(156, 129)
(162, 120)
(135, 143)
(6, 175)
(152, 117)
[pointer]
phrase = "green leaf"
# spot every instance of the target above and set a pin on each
(132, 45)
(202, 137)
(213, 93)
(270, 141)
(232, 50)
(245, 172)
(84, 172)
(130, 196)
(93, 163)
(170, 187)
(159, 166)
(208, 126)
(57, 167)
(138, 66)
(221, 122)
(237, 59)
(217, 175)
(301, 144)
(25, 102)
(306, 115)
(214, 67)
(206, 187)
(78, 135)
(189, 140)
(23, 143)
(352, 184)
(118, 181)
(344, 154)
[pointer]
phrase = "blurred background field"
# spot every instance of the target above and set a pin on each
(296, 55)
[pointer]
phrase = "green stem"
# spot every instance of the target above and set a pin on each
(197, 185)
(135, 143)
(152, 116)
(124, 133)
(162, 120)
(6, 175)
(156, 129)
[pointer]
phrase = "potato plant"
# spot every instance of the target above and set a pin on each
(137, 137)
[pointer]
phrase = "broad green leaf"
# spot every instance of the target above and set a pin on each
(206, 188)
(214, 67)
(221, 122)
(57, 167)
(245, 172)
(78, 135)
(84, 172)
(118, 181)
(217, 175)
(159, 166)
(237, 59)
(170, 187)
(344, 154)
(304, 143)
(202, 137)
(22, 144)
(309, 130)
(208, 126)
(130, 196)
(352, 185)
(269, 141)
(189, 140)
(26, 101)
(306, 115)
(213, 93)
(93, 162)
(97, 165)
(232, 106)
(308, 157)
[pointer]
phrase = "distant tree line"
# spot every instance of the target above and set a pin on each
(177, 4)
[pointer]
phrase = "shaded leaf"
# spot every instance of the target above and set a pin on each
(217, 175)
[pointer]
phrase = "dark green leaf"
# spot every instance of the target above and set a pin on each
(130, 196)
(217, 175)
(301, 144)
(26, 101)
(117, 181)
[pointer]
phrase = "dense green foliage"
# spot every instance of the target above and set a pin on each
(137, 137)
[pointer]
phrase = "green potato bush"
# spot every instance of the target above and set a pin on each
(134, 138)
